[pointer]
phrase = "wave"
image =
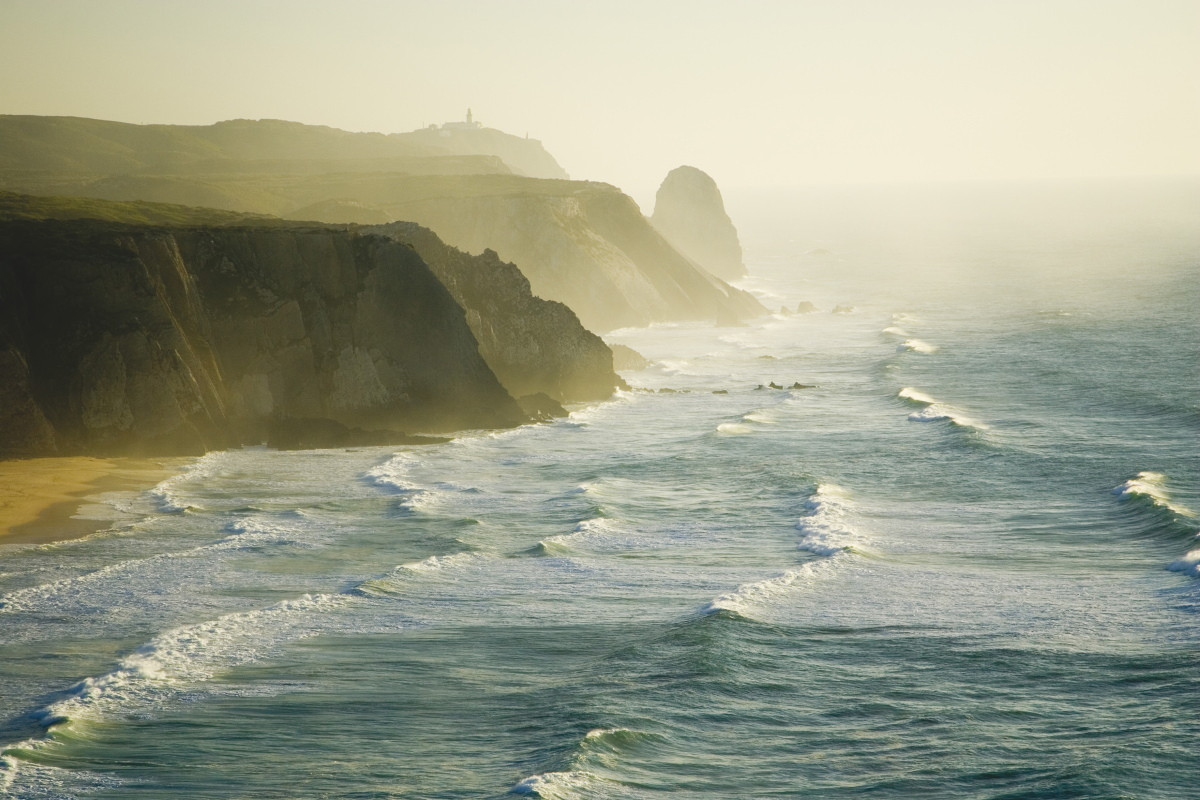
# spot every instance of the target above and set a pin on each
(559, 785)
(600, 750)
(167, 494)
(747, 598)
(825, 530)
(395, 582)
(594, 534)
(916, 346)
(915, 396)
(892, 330)
(171, 663)
(392, 476)
(81, 590)
(1151, 488)
(734, 429)
(934, 410)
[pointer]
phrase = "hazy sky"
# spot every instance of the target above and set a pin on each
(766, 92)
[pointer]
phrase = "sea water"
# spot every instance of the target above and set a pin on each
(956, 556)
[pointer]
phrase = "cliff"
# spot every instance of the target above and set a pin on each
(119, 339)
(690, 213)
(533, 345)
(583, 244)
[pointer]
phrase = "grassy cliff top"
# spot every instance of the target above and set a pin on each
(15, 206)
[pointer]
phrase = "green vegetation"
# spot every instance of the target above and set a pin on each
(15, 206)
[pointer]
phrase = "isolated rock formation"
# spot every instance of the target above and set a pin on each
(120, 339)
(689, 212)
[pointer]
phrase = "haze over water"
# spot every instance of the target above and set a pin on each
(959, 561)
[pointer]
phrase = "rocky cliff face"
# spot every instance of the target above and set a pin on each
(689, 212)
(586, 245)
(119, 339)
(533, 345)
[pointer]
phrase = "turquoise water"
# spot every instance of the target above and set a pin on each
(961, 562)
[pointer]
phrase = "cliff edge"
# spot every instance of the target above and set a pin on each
(119, 339)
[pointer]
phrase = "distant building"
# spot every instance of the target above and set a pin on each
(469, 125)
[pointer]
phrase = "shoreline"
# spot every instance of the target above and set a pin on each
(39, 497)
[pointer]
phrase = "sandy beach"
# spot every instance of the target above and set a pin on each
(40, 496)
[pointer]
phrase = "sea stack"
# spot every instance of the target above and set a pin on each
(690, 214)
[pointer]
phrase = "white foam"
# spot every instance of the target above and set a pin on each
(916, 346)
(558, 785)
(915, 396)
(895, 331)
(826, 530)
(393, 475)
(185, 656)
(1189, 564)
(439, 563)
(1153, 487)
(735, 429)
(245, 532)
(748, 598)
(169, 495)
(936, 411)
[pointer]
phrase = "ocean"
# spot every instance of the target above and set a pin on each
(953, 555)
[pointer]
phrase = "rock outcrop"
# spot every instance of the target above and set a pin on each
(535, 346)
(690, 213)
(119, 339)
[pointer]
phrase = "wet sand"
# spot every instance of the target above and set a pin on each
(39, 497)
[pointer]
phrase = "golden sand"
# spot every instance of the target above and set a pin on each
(40, 496)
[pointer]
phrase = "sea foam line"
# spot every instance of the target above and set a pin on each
(245, 532)
(933, 410)
(824, 531)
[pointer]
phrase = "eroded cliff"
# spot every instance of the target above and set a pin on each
(125, 339)
(533, 345)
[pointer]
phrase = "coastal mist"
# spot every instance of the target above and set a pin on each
(926, 530)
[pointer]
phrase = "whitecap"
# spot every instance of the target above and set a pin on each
(825, 529)
(915, 396)
(1188, 565)
(735, 429)
(1151, 486)
(916, 346)
(557, 785)
(184, 656)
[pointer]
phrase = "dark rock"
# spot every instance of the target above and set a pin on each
(317, 434)
(118, 339)
(533, 345)
(806, 307)
(541, 407)
(798, 385)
